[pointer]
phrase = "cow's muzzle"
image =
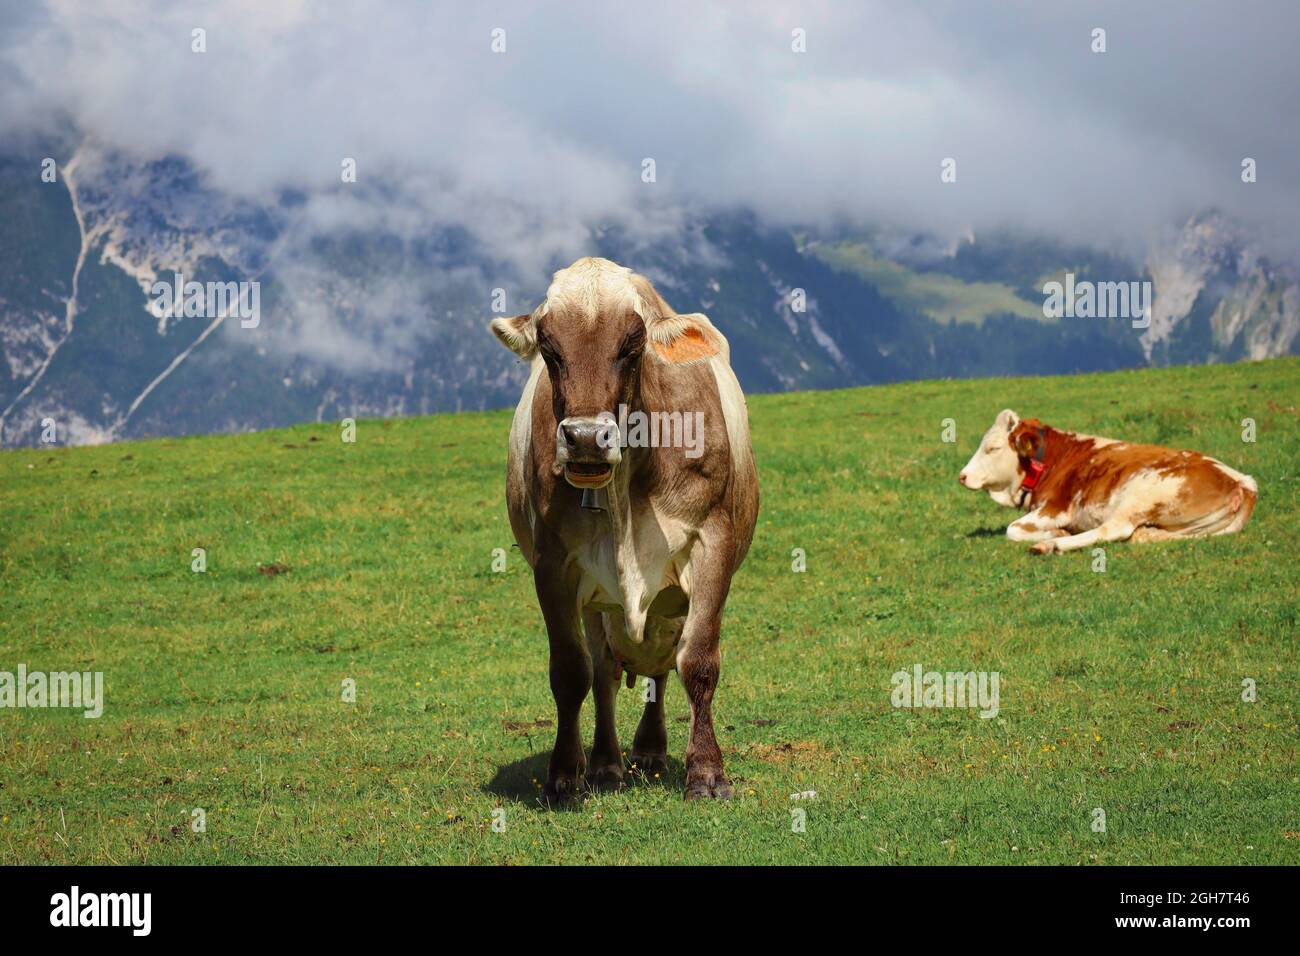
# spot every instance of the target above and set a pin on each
(588, 449)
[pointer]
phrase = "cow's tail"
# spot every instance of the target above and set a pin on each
(1231, 516)
(1243, 504)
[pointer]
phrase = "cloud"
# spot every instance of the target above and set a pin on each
(528, 149)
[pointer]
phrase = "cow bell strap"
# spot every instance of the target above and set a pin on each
(1034, 470)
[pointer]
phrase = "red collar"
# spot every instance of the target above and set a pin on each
(1034, 475)
(1034, 470)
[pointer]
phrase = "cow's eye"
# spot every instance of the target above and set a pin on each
(630, 349)
(548, 352)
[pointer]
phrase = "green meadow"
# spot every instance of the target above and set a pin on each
(372, 562)
(942, 297)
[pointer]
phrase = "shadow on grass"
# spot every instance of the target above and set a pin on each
(987, 533)
(522, 780)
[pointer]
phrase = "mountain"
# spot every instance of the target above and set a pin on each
(1218, 299)
(361, 316)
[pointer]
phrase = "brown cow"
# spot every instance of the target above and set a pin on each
(632, 539)
(1080, 490)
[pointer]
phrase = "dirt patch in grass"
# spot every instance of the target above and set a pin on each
(516, 726)
(799, 751)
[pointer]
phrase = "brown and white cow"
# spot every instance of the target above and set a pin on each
(1079, 490)
(636, 580)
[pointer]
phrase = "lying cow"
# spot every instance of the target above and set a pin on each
(1080, 490)
(632, 547)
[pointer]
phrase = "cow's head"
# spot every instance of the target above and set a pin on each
(997, 465)
(599, 324)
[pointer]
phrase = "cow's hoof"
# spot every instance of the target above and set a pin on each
(1043, 547)
(708, 785)
(649, 764)
(606, 777)
(562, 789)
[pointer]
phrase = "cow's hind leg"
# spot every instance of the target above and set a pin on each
(570, 673)
(650, 745)
(1148, 533)
(605, 769)
(699, 659)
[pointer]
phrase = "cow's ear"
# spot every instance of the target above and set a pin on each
(518, 334)
(1026, 441)
(684, 339)
(1008, 419)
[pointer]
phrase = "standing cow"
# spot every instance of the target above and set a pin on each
(632, 543)
(1079, 490)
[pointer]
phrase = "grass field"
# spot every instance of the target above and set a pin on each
(372, 561)
(942, 297)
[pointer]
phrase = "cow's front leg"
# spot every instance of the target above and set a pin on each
(1035, 526)
(1113, 529)
(606, 766)
(699, 659)
(570, 677)
(650, 745)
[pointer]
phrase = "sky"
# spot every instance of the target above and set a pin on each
(528, 148)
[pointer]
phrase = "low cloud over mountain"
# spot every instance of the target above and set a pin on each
(496, 142)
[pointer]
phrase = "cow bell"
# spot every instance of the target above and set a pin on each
(595, 499)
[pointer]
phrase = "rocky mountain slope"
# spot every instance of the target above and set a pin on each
(360, 319)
